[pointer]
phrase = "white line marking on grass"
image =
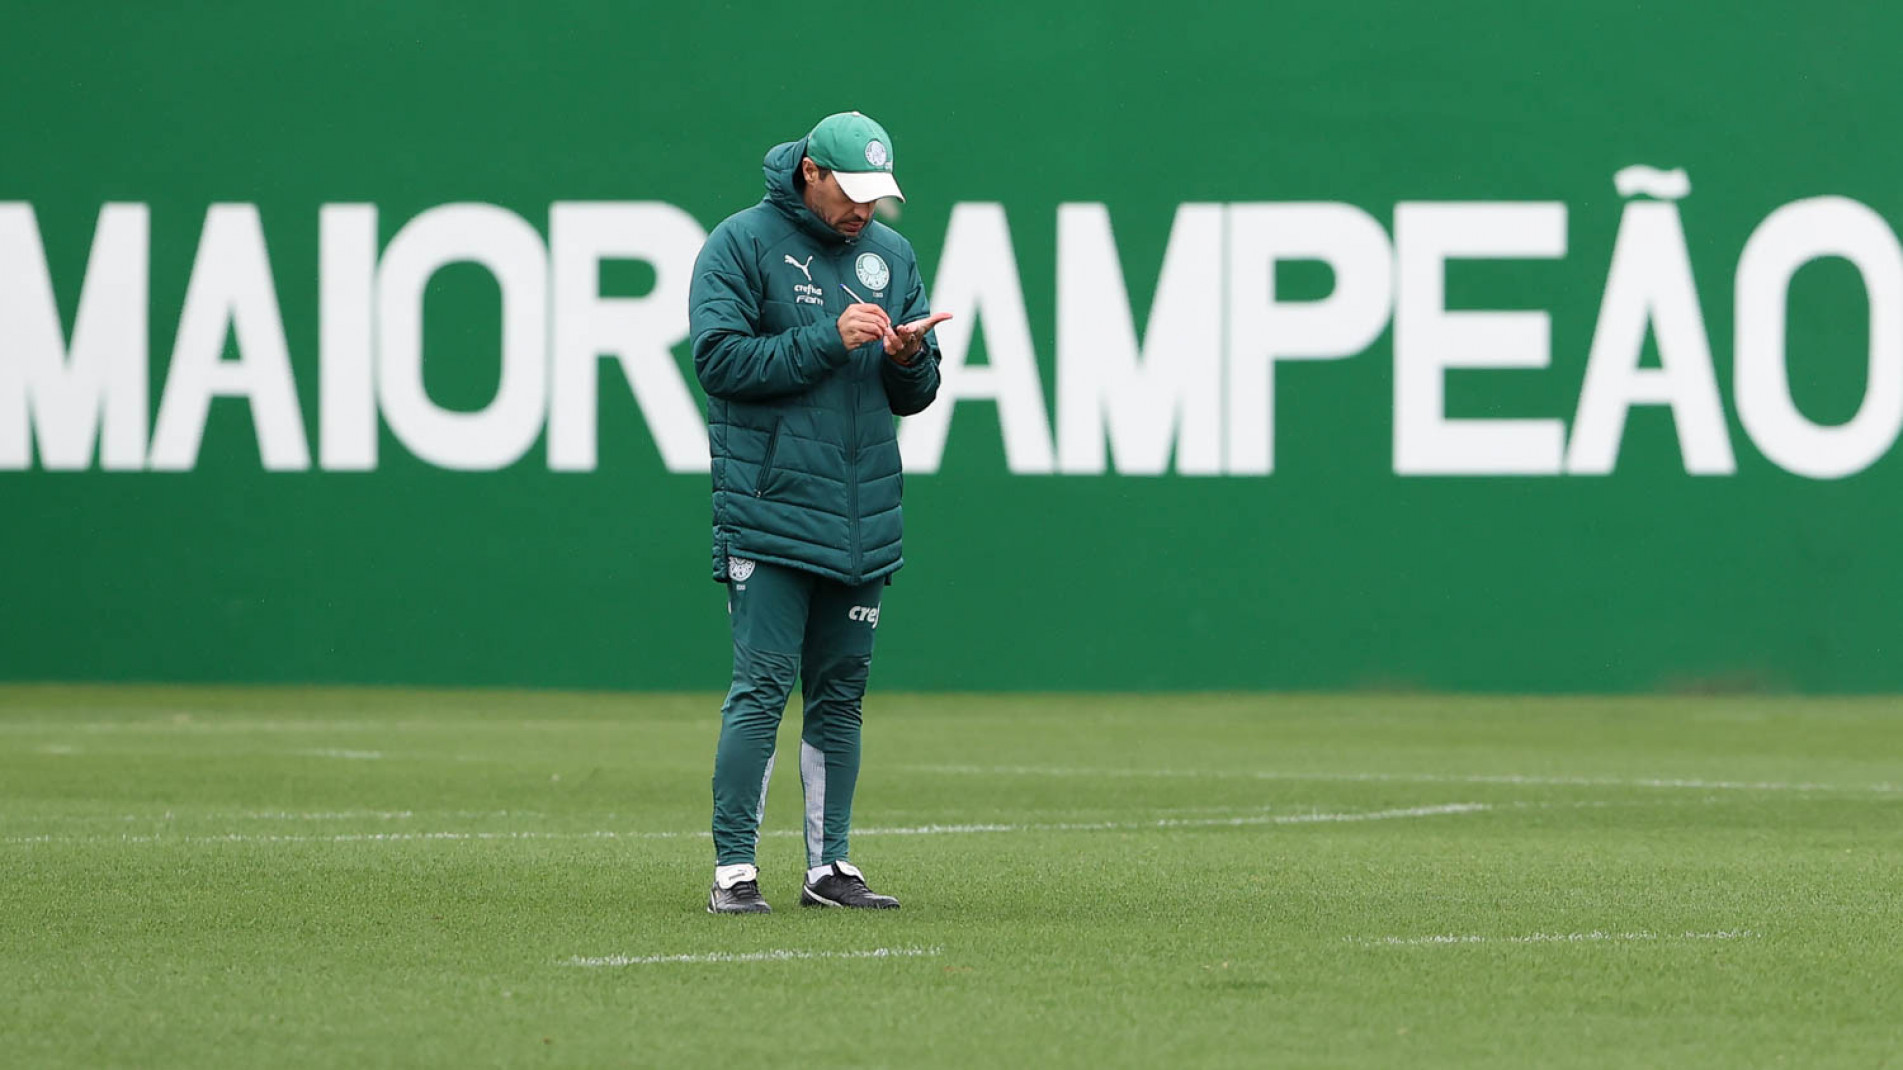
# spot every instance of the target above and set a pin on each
(1180, 823)
(56, 748)
(187, 723)
(171, 816)
(1595, 937)
(1312, 818)
(272, 815)
(359, 837)
(752, 956)
(335, 815)
(353, 755)
(365, 815)
(1409, 778)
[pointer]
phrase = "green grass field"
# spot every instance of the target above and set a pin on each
(287, 878)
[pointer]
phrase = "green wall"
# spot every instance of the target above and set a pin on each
(1334, 571)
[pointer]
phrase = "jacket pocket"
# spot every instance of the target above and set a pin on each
(766, 462)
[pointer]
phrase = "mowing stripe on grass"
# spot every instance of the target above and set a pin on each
(1311, 818)
(1409, 778)
(1594, 937)
(752, 956)
(173, 816)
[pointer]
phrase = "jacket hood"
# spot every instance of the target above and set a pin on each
(780, 166)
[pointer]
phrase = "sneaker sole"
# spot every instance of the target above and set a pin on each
(810, 898)
(764, 909)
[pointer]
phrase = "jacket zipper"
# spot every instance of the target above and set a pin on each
(852, 453)
(852, 471)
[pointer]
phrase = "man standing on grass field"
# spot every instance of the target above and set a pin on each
(811, 332)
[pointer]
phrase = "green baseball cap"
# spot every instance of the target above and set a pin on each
(858, 152)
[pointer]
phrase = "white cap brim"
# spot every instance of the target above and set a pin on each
(868, 186)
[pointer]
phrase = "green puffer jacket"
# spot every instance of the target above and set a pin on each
(805, 451)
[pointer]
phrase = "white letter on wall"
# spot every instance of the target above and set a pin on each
(639, 333)
(512, 251)
(1167, 393)
(1650, 282)
(978, 279)
(59, 395)
(1263, 330)
(1791, 237)
(231, 291)
(1429, 339)
(346, 373)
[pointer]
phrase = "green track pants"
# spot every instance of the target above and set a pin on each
(790, 624)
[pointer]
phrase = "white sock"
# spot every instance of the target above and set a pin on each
(817, 872)
(728, 876)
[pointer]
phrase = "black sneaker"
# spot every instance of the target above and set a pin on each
(842, 885)
(740, 897)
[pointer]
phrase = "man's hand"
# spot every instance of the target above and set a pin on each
(862, 323)
(902, 343)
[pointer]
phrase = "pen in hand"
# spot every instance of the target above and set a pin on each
(878, 327)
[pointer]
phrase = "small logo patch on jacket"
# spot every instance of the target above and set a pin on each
(738, 569)
(872, 270)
